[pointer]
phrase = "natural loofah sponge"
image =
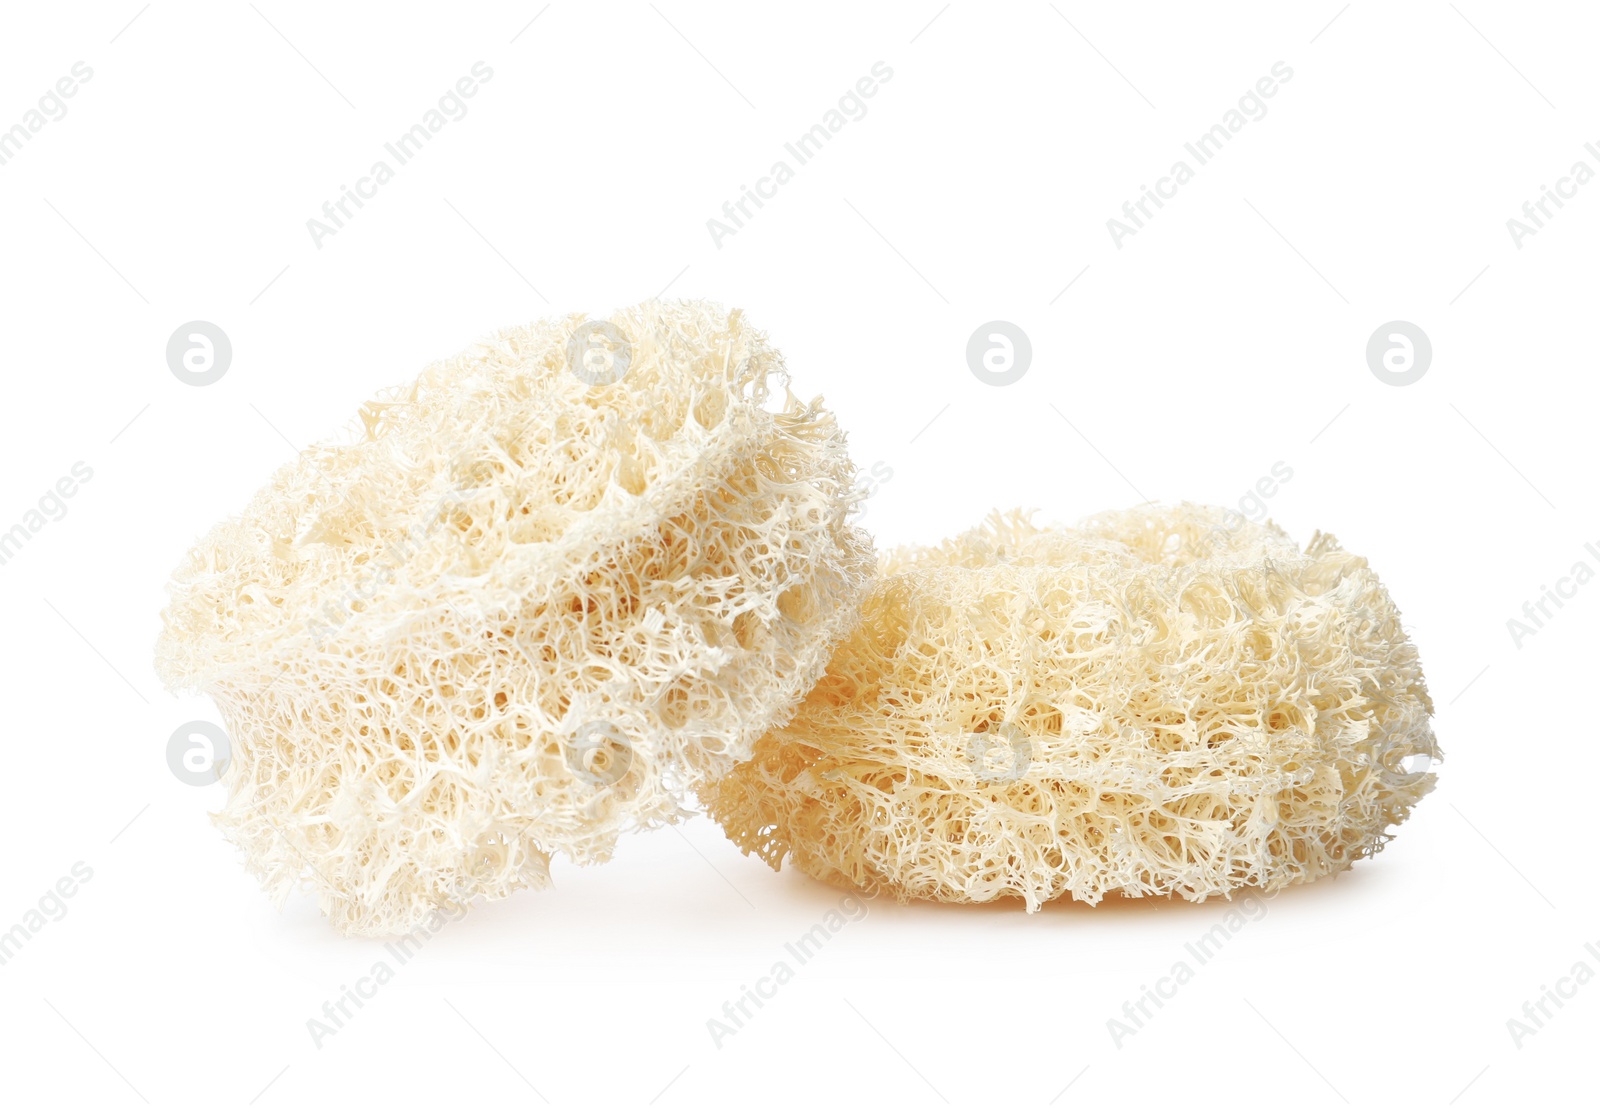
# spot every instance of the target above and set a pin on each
(549, 589)
(1162, 701)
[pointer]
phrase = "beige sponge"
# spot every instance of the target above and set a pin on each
(543, 593)
(1163, 701)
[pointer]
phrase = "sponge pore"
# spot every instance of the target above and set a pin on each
(528, 606)
(1166, 701)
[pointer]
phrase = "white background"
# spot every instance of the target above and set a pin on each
(1227, 335)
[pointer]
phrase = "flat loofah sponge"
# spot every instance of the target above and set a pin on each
(1162, 701)
(550, 588)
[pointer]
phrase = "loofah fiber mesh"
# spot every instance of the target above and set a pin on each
(518, 613)
(1165, 701)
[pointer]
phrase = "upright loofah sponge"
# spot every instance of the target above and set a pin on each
(547, 590)
(1162, 701)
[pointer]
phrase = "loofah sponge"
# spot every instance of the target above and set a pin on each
(1162, 701)
(547, 590)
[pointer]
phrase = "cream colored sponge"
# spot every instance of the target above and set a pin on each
(1161, 701)
(540, 596)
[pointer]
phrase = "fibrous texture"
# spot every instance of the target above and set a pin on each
(1159, 702)
(541, 595)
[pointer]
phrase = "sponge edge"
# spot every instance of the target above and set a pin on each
(1165, 701)
(517, 613)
